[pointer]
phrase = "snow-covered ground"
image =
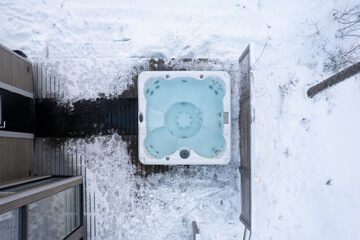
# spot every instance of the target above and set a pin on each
(300, 143)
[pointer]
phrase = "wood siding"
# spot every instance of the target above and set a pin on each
(16, 158)
(15, 71)
(16, 154)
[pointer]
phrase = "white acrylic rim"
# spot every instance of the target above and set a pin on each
(175, 158)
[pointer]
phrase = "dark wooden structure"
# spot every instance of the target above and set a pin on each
(245, 120)
(16, 147)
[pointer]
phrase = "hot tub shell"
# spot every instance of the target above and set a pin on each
(145, 78)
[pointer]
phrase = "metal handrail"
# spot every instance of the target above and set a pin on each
(22, 198)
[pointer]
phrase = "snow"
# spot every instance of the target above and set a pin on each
(162, 205)
(299, 143)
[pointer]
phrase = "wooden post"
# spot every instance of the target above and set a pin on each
(196, 231)
(24, 230)
(339, 77)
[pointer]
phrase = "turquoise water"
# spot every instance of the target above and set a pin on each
(184, 114)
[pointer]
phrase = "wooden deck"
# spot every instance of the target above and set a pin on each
(58, 156)
(16, 154)
(48, 147)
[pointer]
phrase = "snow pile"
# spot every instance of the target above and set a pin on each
(92, 78)
(162, 206)
(306, 150)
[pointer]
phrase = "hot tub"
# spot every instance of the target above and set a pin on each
(184, 117)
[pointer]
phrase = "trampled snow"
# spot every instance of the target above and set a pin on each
(306, 150)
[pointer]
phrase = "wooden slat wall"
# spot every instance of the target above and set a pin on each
(245, 137)
(16, 158)
(5, 66)
(15, 71)
(16, 154)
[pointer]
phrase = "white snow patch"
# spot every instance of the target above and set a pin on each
(300, 143)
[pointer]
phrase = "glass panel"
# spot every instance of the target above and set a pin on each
(9, 225)
(20, 120)
(25, 186)
(56, 216)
